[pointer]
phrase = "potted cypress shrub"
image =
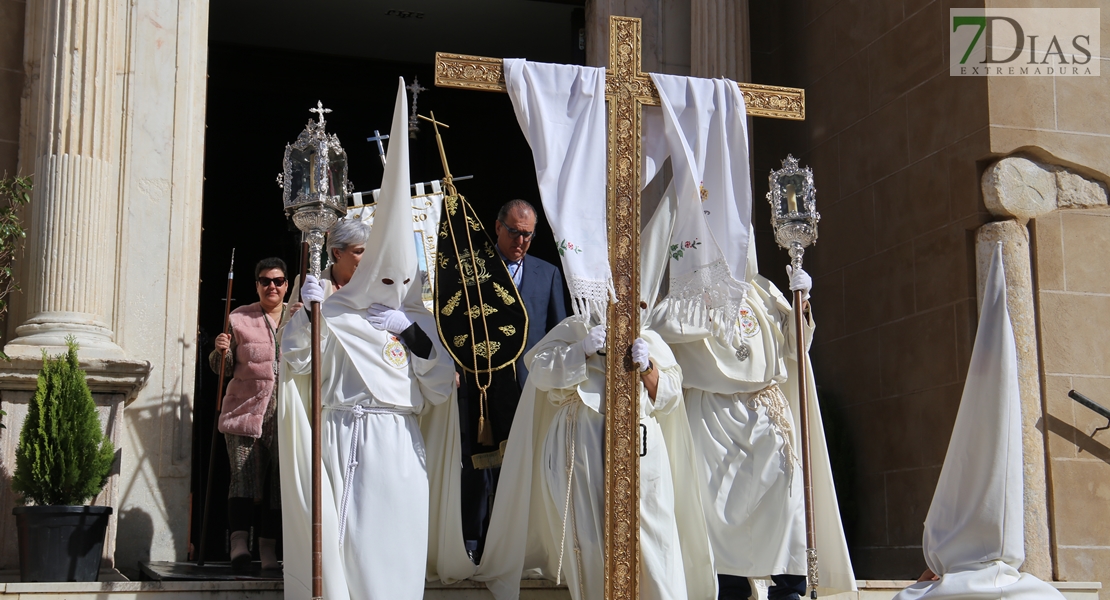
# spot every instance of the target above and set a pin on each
(63, 460)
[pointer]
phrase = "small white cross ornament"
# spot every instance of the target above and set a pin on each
(320, 110)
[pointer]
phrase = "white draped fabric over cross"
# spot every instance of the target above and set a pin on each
(974, 532)
(390, 445)
(561, 110)
(702, 126)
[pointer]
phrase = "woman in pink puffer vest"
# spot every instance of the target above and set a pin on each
(248, 416)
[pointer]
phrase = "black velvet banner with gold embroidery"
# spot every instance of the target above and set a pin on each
(481, 317)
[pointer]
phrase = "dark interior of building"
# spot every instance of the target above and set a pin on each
(268, 65)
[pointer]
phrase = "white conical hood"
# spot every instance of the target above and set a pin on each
(388, 268)
(977, 513)
(974, 537)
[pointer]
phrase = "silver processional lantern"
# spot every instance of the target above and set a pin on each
(793, 208)
(314, 183)
(794, 217)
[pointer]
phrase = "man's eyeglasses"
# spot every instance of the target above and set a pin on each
(266, 281)
(514, 233)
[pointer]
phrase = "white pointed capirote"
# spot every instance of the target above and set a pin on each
(388, 267)
(974, 532)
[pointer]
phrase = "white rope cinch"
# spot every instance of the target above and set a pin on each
(358, 412)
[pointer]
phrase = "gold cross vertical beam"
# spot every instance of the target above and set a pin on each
(626, 91)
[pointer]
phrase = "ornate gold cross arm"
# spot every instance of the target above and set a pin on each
(487, 74)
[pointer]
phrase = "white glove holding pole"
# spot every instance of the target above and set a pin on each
(594, 340)
(800, 280)
(640, 354)
(311, 291)
(388, 319)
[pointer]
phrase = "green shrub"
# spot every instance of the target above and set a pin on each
(63, 458)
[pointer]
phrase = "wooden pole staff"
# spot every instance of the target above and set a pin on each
(317, 464)
(800, 307)
(216, 420)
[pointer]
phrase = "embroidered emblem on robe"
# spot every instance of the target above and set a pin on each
(749, 326)
(395, 354)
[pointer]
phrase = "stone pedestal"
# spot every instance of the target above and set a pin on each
(74, 124)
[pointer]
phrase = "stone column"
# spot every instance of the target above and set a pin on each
(720, 45)
(1017, 189)
(1019, 300)
(74, 128)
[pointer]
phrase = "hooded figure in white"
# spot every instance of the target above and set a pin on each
(974, 533)
(740, 378)
(554, 461)
(743, 418)
(381, 366)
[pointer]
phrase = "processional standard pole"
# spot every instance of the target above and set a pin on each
(794, 216)
(216, 420)
(314, 184)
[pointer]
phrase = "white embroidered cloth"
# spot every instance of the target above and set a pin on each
(704, 127)
(561, 110)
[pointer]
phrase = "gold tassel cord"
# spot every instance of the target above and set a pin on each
(485, 430)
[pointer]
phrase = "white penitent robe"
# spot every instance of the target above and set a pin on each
(376, 495)
(751, 479)
(560, 421)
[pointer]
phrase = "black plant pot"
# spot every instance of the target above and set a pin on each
(60, 543)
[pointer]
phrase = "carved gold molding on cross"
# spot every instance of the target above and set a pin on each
(626, 91)
(487, 74)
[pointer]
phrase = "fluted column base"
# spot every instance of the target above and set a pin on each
(48, 331)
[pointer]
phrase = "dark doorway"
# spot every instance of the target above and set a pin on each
(258, 100)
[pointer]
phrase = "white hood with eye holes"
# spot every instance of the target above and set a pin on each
(386, 275)
(388, 267)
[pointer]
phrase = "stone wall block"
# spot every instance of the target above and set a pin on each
(1017, 264)
(1019, 188)
(1075, 191)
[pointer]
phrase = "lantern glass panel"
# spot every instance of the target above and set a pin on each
(792, 189)
(301, 182)
(337, 171)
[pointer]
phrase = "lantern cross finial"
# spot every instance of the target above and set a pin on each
(320, 110)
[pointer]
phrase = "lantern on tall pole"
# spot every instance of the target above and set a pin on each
(794, 217)
(314, 184)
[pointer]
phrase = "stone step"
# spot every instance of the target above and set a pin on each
(465, 590)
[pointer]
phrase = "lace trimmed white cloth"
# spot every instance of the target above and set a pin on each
(704, 125)
(561, 110)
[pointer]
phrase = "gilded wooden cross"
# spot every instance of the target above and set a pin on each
(627, 91)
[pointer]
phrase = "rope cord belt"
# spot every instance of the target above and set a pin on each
(358, 411)
(778, 412)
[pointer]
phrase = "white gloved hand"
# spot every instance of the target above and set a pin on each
(311, 291)
(389, 319)
(594, 340)
(640, 354)
(800, 280)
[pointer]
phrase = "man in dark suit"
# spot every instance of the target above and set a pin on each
(541, 287)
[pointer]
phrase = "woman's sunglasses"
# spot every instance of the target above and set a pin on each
(266, 281)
